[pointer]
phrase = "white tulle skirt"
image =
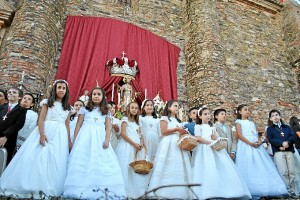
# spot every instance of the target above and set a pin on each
(171, 166)
(258, 171)
(297, 172)
(135, 184)
(93, 171)
(217, 174)
(37, 169)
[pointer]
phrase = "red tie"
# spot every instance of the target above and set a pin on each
(8, 109)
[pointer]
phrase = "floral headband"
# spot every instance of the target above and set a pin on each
(204, 106)
(61, 80)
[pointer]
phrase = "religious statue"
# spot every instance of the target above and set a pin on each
(123, 67)
(127, 92)
(85, 97)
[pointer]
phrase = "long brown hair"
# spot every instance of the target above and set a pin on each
(167, 112)
(52, 97)
(103, 104)
(143, 108)
(136, 117)
(239, 108)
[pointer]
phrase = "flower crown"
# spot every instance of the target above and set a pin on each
(61, 80)
(204, 106)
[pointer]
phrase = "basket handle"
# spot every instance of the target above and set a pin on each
(145, 149)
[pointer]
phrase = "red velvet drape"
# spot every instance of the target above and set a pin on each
(89, 42)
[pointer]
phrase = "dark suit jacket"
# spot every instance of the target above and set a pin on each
(2, 106)
(10, 126)
(276, 140)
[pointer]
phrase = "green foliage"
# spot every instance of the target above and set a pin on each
(119, 115)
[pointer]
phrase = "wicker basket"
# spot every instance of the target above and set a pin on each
(141, 166)
(187, 142)
(220, 143)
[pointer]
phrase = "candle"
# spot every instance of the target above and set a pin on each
(145, 93)
(112, 93)
(119, 96)
(180, 113)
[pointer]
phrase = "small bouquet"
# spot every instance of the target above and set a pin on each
(159, 105)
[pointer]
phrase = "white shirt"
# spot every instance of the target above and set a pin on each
(279, 124)
(12, 106)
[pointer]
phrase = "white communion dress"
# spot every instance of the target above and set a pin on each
(256, 166)
(38, 169)
(171, 166)
(215, 170)
(93, 170)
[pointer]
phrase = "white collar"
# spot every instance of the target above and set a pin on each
(12, 105)
(278, 124)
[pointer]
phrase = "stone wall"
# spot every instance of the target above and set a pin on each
(31, 44)
(290, 23)
(15, 4)
(232, 51)
(240, 57)
(204, 54)
(258, 71)
(6, 17)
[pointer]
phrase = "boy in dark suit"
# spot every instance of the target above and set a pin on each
(282, 138)
(12, 119)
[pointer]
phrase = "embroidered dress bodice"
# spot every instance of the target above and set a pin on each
(92, 118)
(205, 131)
(56, 112)
(248, 130)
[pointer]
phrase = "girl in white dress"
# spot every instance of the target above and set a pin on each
(41, 162)
(116, 126)
(28, 102)
(171, 165)
(93, 166)
(74, 117)
(150, 128)
(253, 162)
(131, 142)
(213, 168)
